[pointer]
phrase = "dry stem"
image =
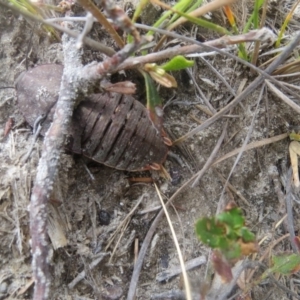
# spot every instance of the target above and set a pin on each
(46, 174)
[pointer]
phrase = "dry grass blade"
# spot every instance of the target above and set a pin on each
(185, 277)
(82, 274)
(245, 93)
(245, 141)
(122, 227)
(218, 74)
(191, 264)
(94, 10)
(294, 149)
(263, 35)
(209, 161)
(210, 107)
(289, 68)
(233, 189)
(283, 97)
(253, 145)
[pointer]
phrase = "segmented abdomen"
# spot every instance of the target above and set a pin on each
(115, 130)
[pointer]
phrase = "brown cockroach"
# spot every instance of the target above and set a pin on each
(110, 128)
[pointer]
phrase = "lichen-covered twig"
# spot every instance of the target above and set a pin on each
(46, 172)
(216, 45)
(120, 18)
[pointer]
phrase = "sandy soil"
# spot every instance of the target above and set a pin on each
(85, 213)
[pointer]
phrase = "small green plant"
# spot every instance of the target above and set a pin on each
(228, 236)
(227, 233)
(285, 264)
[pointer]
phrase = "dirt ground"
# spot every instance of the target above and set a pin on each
(85, 213)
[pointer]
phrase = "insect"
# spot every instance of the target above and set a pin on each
(110, 128)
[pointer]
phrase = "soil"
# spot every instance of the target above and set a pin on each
(86, 212)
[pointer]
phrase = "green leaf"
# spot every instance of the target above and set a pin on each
(294, 136)
(286, 264)
(154, 102)
(246, 235)
(232, 218)
(233, 251)
(182, 5)
(258, 4)
(153, 99)
(227, 233)
(206, 24)
(209, 233)
(178, 62)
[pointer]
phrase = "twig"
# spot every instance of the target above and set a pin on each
(227, 290)
(189, 265)
(230, 89)
(252, 145)
(209, 161)
(81, 275)
(255, 35)
(94, 10)
(46, 173)
(89, 21)
(233, 189)
(206, 101)
(283, 97)
(120, 18)
(242, 149)
(215, 45)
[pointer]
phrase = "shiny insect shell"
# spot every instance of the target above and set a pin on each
(110, 128)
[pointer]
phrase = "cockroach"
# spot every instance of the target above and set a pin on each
(110, 128)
